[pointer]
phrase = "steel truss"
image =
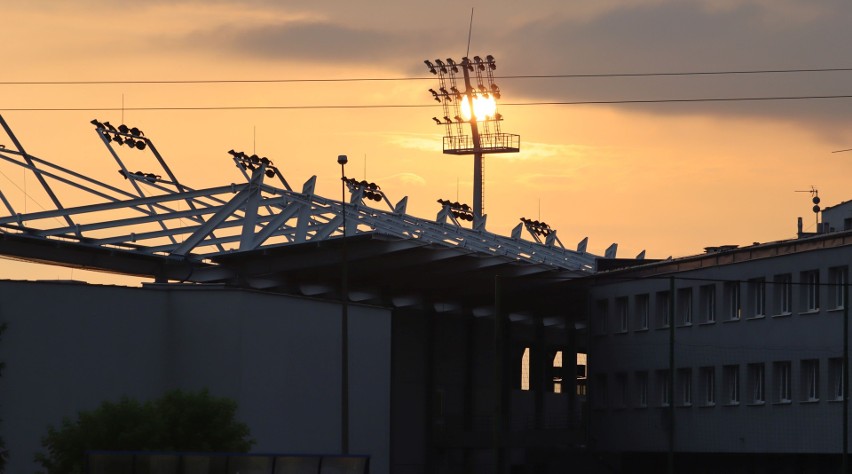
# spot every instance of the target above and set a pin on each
(161, 216)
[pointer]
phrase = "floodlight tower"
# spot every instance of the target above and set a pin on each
(476, 106)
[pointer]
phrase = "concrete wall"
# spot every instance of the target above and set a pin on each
(71, 346)
(775, 426)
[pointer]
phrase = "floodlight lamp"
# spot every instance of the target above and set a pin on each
(123, 128)
(265, 160)
(130, 142)
(342, 159)
(489, 58)
(97, 124)
(373, 186)
(458, 119)
(477, 59)
(437, 121)
(110, 127)
(254, 159)
(136, 132)
(140, 144)
(448, 120)
(430, 66)
(233, 153)
(118, 140)
(270, 173)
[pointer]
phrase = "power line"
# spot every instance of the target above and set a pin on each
(422, 106)
(423, 78)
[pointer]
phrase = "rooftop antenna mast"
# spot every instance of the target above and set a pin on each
(815, 199)
(469, 32)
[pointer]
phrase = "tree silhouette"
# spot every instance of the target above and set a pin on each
(177, 421)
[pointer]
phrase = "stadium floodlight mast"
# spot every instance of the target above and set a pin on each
(476, 106)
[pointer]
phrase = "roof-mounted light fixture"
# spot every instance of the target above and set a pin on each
(253, 162)
(371, 191)
(123, 135)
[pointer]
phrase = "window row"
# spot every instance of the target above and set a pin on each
(779, 382)
(728, 301)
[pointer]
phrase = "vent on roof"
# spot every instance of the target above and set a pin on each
(721, 248)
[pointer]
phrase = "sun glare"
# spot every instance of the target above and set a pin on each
(483, 107)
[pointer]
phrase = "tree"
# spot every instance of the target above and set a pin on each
(177, 421)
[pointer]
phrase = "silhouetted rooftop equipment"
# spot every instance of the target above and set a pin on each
(161, 222)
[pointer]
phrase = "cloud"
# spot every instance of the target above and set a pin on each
(407, 179)
(685, 37)
(422, 142)
(547, 151)
(309, 40)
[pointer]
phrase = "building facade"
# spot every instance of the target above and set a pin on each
(735, 352)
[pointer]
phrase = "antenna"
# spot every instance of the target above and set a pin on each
(469, 32)
(815, 199)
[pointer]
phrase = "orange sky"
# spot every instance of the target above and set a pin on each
(667, 178)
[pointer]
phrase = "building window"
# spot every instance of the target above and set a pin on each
(664, 384)
(620, 394)
(810, 380)
(784, 293)
(643, 308)
(642, 389)
(582, 370)
(732, 297)
(525, 369)
(602, 312)
(684, 306)
(708, 385)
(782, 381)
(557, 374)
(756, 383)
(810, 290)
(663, 298)
(732, 384)
(621, 314)
(684, 381)
(707, 298)
(835, 378)
(757, 297)
(838, 278)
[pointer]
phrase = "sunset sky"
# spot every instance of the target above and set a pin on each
(667, 177)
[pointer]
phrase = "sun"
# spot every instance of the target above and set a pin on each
(484, 107)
